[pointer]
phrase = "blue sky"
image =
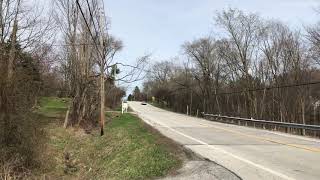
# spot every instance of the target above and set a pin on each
(160, 27)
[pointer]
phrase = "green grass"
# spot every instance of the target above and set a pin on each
(52, 106)
(128, 150)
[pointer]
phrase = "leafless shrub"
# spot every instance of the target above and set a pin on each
(14, 168)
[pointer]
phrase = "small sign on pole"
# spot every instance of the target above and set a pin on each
(124, 107)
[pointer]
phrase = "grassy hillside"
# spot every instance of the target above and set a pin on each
(129, 149)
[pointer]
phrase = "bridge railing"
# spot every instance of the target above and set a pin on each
(254, 122)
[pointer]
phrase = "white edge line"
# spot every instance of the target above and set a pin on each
(221, 150)
(305, 138)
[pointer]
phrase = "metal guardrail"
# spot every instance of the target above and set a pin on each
(264, 122)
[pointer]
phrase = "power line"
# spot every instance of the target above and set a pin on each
(90, 13)
(86, 22)
(271, 87)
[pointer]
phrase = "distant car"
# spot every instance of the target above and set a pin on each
(143, 103)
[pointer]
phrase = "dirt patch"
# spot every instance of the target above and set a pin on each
(204, 170)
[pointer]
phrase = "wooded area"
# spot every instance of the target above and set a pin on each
(64, 50)
(259, 69)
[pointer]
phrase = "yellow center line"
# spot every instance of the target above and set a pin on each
(270, 140)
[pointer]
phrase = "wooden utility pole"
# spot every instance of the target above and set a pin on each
(102, 78)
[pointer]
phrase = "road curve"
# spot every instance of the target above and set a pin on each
(248, 152)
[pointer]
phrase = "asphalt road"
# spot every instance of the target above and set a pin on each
(250, 153)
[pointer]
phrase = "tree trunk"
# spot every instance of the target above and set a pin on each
(303, 116)
(262, 104)
(191, 103)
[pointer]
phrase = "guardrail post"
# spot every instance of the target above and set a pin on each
(254, 124)
(187, 110)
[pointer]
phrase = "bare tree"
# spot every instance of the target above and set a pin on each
(21, 27)
(314, 37)
(243, 31)
(204, 56)
(89, 59)
(255, 70)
